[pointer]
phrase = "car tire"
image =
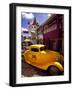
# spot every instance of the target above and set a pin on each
(53, 70)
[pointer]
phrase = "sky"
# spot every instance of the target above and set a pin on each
(28, 17)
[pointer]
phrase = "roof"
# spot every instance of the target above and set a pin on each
(34, 22)
(37, 45)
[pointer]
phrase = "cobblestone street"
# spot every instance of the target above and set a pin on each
(28, 70)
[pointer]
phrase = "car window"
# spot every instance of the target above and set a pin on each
(34, 49)
(25, 44)
(42, 48)
(29, 43)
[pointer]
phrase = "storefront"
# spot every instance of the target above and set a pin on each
(53, 33)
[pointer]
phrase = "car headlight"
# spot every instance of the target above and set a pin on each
(60, 59)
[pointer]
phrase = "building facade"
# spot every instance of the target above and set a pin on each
(32, 27)
(53, 33)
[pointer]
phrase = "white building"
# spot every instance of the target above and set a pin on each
(32, 28)
(25, 33)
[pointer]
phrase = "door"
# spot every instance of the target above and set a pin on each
(34, 55)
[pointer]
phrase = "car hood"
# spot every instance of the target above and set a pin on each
(49, 52)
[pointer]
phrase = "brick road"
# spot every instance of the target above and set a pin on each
(29, 70)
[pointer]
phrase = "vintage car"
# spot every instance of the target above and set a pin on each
(25, 45)
(44, 59)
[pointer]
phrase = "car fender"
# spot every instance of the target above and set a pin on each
(58, 65)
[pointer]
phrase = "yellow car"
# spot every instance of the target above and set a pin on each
(44, 59)
(25, 45)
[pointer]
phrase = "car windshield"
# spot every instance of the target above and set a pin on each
(42, 48)
(34, 49)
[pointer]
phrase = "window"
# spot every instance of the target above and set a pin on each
(34, 49)
(42, 48)
(54, 44)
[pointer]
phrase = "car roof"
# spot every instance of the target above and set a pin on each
(27, 40)
(37, 46)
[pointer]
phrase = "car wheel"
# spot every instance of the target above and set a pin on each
(53, 70)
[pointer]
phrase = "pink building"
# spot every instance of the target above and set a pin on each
(53, 33)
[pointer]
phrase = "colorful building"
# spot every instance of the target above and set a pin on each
(53, 33)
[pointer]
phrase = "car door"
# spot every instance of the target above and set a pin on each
(34, 55)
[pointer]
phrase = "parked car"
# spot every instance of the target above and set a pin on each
(25, 45)
(44, 59)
